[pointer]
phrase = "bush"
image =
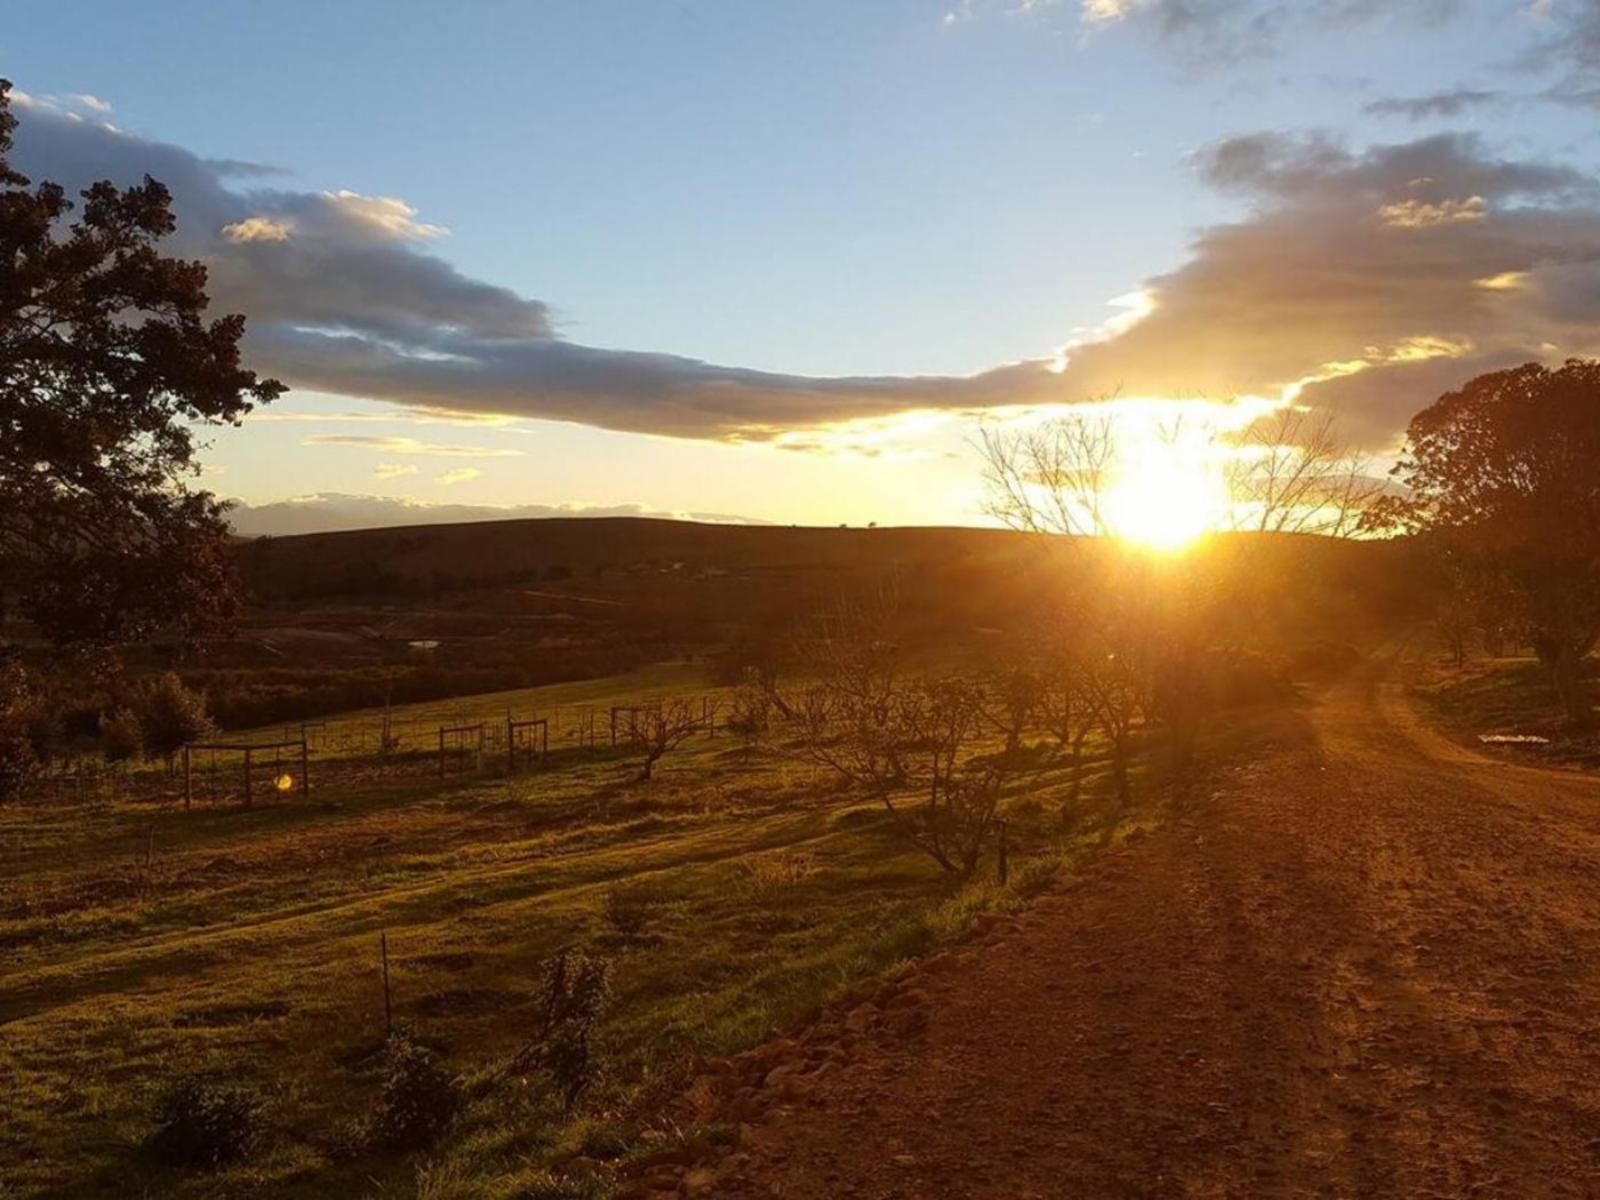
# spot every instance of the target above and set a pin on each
(766, 874)
(629, 910)
(200, 1123)
(171, 716)
(419, 1098)
(121, 737)
(18, 761)
(576, 988)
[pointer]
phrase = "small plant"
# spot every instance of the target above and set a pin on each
(576, 989)
(767, 873)
(419, 1099)
(629, 910)
(121, 737)
(201, 1123)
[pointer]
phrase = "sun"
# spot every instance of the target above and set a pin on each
(1166, 490)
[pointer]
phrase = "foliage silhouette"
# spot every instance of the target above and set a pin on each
(106, 364)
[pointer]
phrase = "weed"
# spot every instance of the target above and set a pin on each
(200, 1123)
(418, 1101)
(769, 873)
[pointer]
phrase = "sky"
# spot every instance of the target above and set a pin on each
(779, 261)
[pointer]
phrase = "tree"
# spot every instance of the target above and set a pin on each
(658, 729)
(171, 716)
(17, 759)
(1295, 475)
(1505, 475)
(106, 365)
(121, 738)
(1053, 477)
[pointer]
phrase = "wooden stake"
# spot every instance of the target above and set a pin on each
(1002, 867)
(188, 782)
(388, 1010)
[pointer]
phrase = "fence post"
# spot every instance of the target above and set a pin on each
(388, 1009)
(247, 774)
(305, 767)
(188, 781)
(511, 747)
(1002, 866)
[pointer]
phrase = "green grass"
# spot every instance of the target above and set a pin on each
(244, 943)
(1504, 697)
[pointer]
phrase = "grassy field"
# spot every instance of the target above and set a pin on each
(139, 942)
(1505, 706)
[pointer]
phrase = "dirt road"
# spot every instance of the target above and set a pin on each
(1366, 964)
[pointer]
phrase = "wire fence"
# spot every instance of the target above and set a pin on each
(316, 756)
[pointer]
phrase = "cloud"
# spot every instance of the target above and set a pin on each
(327, 511)
(394, 218)
(1370, 282)
(1448, 104)
(1418, 214)
(457, 475)
(1571, 41)
(1209, 33)
(406, 445)
(416, 415)
(343, 296)
(1352, 277)
(394, 470)
(257, 229)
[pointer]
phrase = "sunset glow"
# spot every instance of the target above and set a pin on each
(1167, 489)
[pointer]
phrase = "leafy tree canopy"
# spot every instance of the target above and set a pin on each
(1506, 473)
(107, 366)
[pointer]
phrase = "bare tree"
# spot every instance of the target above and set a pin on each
(1015, 696)
(1066, 708)
(910, 742)
(750, 716)
(911, 745)
(1051, 478)
(658, 729)
(1294, 474)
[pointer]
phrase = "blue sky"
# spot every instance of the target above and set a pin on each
(894, 189)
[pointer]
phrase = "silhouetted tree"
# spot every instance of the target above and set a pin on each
(657, 730)
(1294, 474)
(170, 716)
(17, 759)
(1053, 477)
(1506, 474)
(106, 364)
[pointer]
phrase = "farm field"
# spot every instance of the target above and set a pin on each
(732, 895)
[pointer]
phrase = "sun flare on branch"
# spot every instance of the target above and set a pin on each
(1166, 488)
(1162, 474)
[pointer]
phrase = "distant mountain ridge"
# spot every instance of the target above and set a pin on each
(328, 512)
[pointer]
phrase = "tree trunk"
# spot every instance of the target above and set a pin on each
(1563, 666)
(1119, 768)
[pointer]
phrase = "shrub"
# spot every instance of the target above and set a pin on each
(630, 910)
(171, 715)
(575, 991)
(17, 758)
(121, 737)
(768, 873)
(418, 1101)
(199, 1123)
